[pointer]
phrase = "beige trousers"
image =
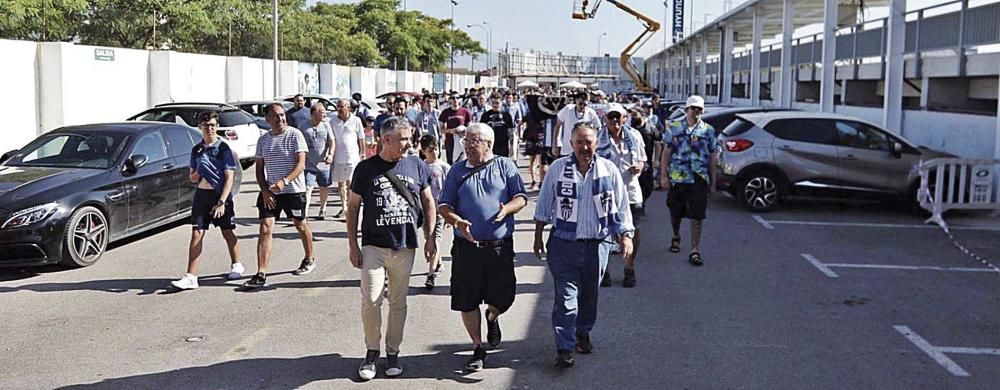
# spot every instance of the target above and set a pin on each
(376, 264)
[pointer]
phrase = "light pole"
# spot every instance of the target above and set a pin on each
(274, 18)
(452, 78)
(489, 43)
(601, 55)
(489, 61)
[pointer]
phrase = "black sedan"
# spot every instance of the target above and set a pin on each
(70, 192)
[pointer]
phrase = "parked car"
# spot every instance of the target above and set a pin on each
(257, 107)
(330, 102)
(678, 110)
(73, 190)
(407, 95)
(236, 127)
(722, 117)
(769, 155)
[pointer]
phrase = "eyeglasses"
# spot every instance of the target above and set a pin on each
(208, 125)
(614, 116)
(699, 109)
(475, 141)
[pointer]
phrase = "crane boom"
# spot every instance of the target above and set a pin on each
(652, 26)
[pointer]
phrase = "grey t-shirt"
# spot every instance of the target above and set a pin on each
(316, 139)
(279, 152)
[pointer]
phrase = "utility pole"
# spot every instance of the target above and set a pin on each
(274, 30)
(452, 79)
(406, 56)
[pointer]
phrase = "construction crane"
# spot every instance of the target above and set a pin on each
(580, 11)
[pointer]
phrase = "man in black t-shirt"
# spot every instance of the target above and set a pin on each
(503, 127)
(389, 237)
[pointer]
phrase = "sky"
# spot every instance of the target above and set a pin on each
(547, 25)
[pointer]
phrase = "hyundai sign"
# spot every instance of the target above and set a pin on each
(678, 20)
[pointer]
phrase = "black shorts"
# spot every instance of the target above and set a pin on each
(688, 200)
(637, 211)
(481, 275)
(201, 211)
(294, 206)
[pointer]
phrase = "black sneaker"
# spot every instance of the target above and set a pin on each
(629, 280)
(583, 344)
(257, 281)
(429, 284)
(478, 359)
(565, 359)
(367, 370)
(392, 366)
(307, 266)
(606, 279)
(492, 330)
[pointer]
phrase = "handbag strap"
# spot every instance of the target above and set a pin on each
(478, 169)
(401, 188)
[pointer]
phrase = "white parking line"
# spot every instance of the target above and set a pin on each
(763, 222)
(826, 268)
(769, 224)
(932, 351)
(819, 265)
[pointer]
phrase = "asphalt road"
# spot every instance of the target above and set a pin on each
(781, 303)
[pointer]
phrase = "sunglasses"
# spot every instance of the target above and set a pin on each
(614, 115)
(699, 109)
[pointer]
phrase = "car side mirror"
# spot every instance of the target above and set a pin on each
(133, 164)
(897, 149)
(8, 155)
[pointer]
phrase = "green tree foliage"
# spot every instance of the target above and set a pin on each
(368, 33)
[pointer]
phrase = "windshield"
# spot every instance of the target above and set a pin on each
(189, 116)
(72, 150)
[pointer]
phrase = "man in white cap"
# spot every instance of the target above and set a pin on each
(624, 147)
(688, 167)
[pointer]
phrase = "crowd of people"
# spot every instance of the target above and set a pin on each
(434, 161)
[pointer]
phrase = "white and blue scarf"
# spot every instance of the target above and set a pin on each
(602, 194)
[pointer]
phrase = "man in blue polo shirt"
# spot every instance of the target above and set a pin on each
(480, 197)
(213, 170)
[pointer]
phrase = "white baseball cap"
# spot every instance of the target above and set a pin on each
(616, 107)
(695, 101)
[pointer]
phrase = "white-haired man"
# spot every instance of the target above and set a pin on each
(480, 197)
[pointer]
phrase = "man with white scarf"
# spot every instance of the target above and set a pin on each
(585, 199)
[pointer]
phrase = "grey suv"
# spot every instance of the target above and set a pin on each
(766, 156)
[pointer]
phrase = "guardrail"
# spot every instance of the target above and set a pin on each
(958, 184)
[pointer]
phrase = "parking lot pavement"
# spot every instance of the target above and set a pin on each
(758, 315)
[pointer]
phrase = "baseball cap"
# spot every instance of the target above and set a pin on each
(695, 101)
(616, 107)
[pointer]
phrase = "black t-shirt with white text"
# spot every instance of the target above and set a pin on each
(502, 124)
(388, 221)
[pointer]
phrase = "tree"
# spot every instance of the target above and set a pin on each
(41, 20)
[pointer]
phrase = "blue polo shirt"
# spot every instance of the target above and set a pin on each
(212, 162)
(478, 199)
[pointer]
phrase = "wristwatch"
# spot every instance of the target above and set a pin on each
(220, 203)
(629, 234)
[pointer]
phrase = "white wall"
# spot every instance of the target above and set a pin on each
(18, 75)
(968, 136)
(244, 79)
(363, 81)
(178, 77)
(343, 87)
(871, 114)
(288, 78)
(78, 89)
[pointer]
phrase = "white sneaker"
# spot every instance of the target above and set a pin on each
(235, 272)
(188, 282)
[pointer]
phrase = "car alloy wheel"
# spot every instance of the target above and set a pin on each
(86, 237)
(760, 192)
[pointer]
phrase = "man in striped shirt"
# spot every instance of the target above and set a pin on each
(586, 201)
(281, 159)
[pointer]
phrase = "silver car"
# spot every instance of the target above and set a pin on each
(769, 155)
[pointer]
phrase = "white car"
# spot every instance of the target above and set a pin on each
(236, 127)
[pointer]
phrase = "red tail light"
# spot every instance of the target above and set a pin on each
(229, 134)
(738, 145)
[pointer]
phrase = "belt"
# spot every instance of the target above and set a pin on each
(486, 244)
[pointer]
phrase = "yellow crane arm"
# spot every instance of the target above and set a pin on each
(652, 26)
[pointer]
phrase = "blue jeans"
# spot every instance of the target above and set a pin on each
(577, 268)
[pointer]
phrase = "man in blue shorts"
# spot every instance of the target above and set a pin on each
(319, 141)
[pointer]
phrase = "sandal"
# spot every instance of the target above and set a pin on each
(695, 259)
(675, 245)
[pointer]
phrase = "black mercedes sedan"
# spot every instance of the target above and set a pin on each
(71, 191)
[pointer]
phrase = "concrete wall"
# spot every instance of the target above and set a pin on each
(19, 76)
(177, 77)
(382, 80)
(244, 79)
(78, 88)
(288, 78)
(363, 81)
(968, 136)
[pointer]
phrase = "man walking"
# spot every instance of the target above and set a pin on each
(281, 158)
(688, 173)
(453, 121)
(567, 118)
(624, 147)
(298, 116)
(427, 119)
(395, 191)
(480, 198)
(586, 201)
(319, 141)
(502, 126)
(349, 137)
(213, 170)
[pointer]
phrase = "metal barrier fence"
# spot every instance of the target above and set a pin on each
(958, 184)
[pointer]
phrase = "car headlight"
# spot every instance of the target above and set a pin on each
(30, 215)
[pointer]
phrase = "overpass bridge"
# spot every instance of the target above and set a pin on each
(930, 74)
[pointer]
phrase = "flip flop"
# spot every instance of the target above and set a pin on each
(695, 259)
(675, 245)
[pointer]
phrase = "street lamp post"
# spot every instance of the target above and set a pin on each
(452, 78)
(489, 44)
(600, 55)
(274, 18)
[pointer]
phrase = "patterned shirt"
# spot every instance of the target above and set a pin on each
(691, 150)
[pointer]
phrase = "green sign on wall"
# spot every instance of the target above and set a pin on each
(104, 54)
